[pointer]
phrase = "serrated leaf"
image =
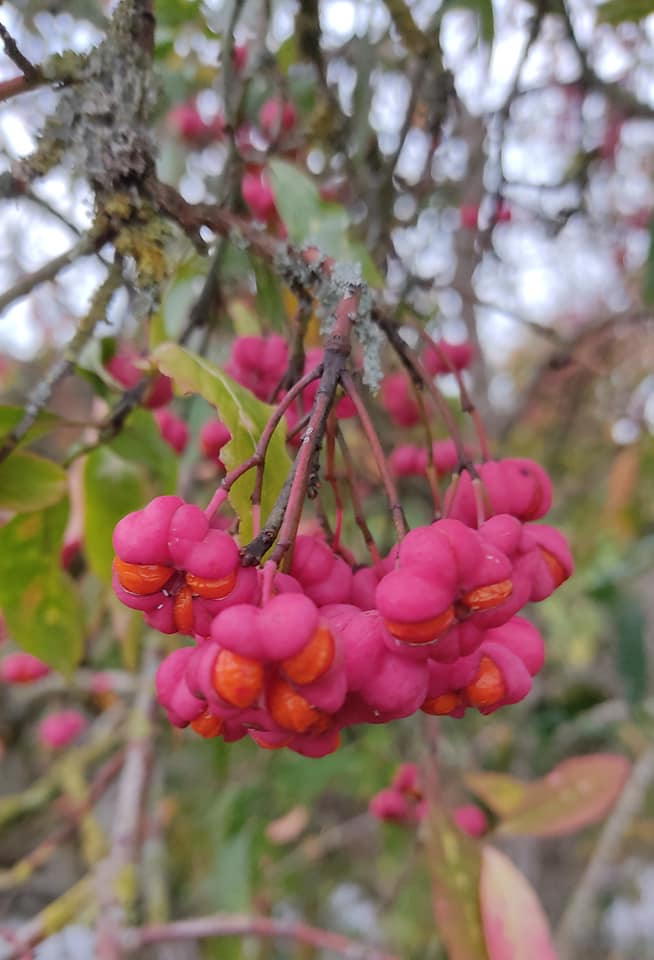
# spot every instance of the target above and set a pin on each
(38, 599)
(244, 415)
(514, 922)
(29, 482)
(113, 487)
(577, 792)
(455, 865)
(620, 11)
(311, 220)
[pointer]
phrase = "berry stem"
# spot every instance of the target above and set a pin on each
(467, 403)
(267, 581)
(258, 457)
(285, 515)
(416, 371)
(430, 470)
(332, 480)
(397, 512)
(357, 504)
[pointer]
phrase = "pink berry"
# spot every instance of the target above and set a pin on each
(315, 745)
(389, 804)
(186, 122)
(258, 195)
(123, 369)
(240, 56)
(523, 639)
(277, 117)
(443, 357)
(142, 536)
(471, 819)
(313, 560)
(445, 455)
(362, 639)
(415, 609)
(469, 215)
(213, 437)
(237, 629)
(397, 688)
(406, 779)
(22, 667)
(397, 399)
(173, 430)
(258, 363)
(364, 586)
(408, 460)
(335, 588)
(286, 624)
(173, 692)
(59, 729)
(70, 552)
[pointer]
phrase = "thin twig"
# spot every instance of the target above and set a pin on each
(23, 870)
(88, 244)
(357, 504)
(225, 925)
(115, 878)
(397, 512)
(12, 50)
(41, 393)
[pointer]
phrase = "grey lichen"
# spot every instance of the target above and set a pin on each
(102, 120)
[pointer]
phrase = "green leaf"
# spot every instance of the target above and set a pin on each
(11, 417)
(244, 415)
(455, 865)
(619, 11)
(576, 793)
(177, 13)
(631, 644)
(288, 54)
(515, 925)
(648, 285)
(269, 296)
(141, 442)
(113, 487)
(311, 220)
(28, 482)
(38, 599)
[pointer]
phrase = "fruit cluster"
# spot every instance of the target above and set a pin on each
(293, 661)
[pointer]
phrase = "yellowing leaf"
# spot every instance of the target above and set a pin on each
(454, 863)
(244, 415)
(576, 793)
(499, 791)
(28, 482)
(514, 923)
(39, 601)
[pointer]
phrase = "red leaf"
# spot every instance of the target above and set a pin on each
(514, 923)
